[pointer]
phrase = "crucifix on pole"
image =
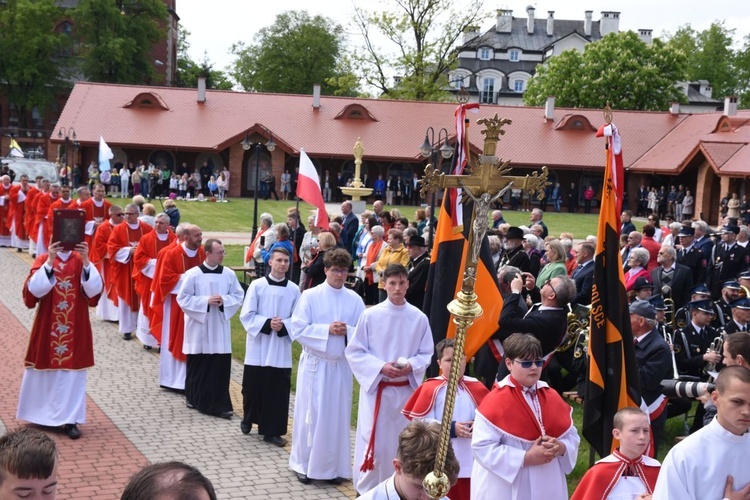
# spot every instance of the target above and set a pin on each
(483, 183)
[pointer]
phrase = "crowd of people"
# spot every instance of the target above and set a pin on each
(352, 297)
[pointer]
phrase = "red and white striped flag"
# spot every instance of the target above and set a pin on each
(614, 150)
(308, 189)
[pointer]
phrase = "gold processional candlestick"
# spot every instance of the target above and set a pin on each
(483, 183)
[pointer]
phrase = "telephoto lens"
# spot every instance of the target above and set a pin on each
(683, 389)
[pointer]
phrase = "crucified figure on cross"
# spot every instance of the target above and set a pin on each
(482, 206)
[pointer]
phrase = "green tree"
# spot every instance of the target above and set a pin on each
(710, 56)
(116, 38)
(742, 65)
(422, 36)
(29, 70)
(619, 68)
(292, 54)
(188, 71)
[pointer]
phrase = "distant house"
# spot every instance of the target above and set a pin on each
(496, 66)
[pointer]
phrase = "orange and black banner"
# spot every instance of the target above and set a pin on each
(613, 373)
(445, 279)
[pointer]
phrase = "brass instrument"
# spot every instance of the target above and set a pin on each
(668, 338)
(717, 345)
(669, 316)
(582, 343)
(578, 320)
(744, 293)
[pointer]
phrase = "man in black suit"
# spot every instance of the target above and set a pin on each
(627, 226)
(703, 242)
(727, 261)
(654, 360)
(349, 225)
(547, 320)
(513, 252)
(671, 279)
(583, 275)
(536, 219)
(417, 270)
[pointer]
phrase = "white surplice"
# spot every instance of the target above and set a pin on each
(207, 328)
(264, 301)
(321, 446)
(55, 397)
(498, 472)
(697, 467)
(384, 333)
(126, 317)
(385, 491)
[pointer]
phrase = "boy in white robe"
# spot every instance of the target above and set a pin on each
(626, 474)
(417, 448)
(323, 322)
(713, 462)
(386, 333)
(209, 297)
(524, 441)
(266, 381)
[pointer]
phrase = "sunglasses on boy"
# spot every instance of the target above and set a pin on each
(527, 364)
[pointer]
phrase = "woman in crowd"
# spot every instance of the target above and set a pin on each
(315, 273)
(688, 206)
(114, 189)
(363, 241)
(588, 198)
(309, 241)
(556, 257)
(394, 253)
(213, 189)
(531, 247)
(148, 214)
(221, 185)
(170, 208)
(370, 260)
(420, 216)
(638, 262)
(733, 207)
(135, 179)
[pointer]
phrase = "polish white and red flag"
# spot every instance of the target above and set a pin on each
(308, 189)
(614, 150)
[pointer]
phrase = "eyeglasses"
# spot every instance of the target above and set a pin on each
(131, 213)
(549, 282)
(527, 364)
(119, 215)
(651, 220)
(339, 271)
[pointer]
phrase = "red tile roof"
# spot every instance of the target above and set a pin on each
(394, 130)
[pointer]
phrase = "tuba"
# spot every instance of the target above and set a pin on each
(578, 320)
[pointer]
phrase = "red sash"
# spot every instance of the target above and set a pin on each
(369, 461)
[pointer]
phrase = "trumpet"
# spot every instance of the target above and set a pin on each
(717, 345)
(668, 338)
(670, 316)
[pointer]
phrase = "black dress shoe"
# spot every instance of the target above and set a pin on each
(72, 431)
(245, 427)
(190, 405)
(277, 440)
(335, 481)
(226, 414)
(147, 347)
(126, 336)
(303, 478)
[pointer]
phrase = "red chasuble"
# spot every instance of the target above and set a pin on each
(508, 410)
(148, 248)
(17, 213)
(599, 481)
(30, 216)
(43, 202)
(122, 236)
(61, 336)
(5, 210)
(94, 213)
(171, 263)
(421, 402)
(98, 256)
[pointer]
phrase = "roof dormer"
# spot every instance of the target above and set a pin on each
(147, 100)
(575, 122)
(355, 112)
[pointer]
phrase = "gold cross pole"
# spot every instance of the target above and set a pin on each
(485, 182)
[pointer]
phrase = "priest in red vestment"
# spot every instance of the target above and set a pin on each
(41, 187)
(5, 188)
(108, 303)
(167, 319)
(53, 391)
(121, 246)
(144, 265)
(18, 194)
(43, 203)
(97, 210)
(65, 201)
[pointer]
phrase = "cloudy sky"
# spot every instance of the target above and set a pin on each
(217, 24)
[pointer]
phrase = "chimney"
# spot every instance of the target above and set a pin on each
(674, 108)
(470, 33)
(530, 19)
(202, 89)
(730, 105)
(550, 22)
(504, 21)
(549, 108)
(587, 23)
(645, 36)
(316, 96)
(609, 23)
(705, 89)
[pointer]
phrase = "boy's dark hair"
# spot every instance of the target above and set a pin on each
(618, 420)
(729, 373)
(27, 454)
(440, 347)
(522, 346)
(417, 447)
(739, 344)
(394, 270)
(168, 481)
(282, 250)
(337, 257)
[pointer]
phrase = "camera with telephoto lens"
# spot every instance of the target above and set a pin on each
(691, 389)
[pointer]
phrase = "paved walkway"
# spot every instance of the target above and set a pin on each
(132, 422)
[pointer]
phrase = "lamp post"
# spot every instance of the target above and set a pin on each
(247, 145)
(428, 149)
(67, 134)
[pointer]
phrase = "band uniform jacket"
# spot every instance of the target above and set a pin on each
(682, 282)
(723, 313)
(696, 260)
(689, 348)
(654, 360)
(728, 263)
(517, 258)
(733, 327)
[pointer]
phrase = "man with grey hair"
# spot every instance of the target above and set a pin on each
(536, 220)
(634, 241)
(672, 279)
(121, 246)
(264, 240)
(743, 237)
(702, 241)
(497, 219)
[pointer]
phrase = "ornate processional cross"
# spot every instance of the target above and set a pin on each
(485, 182)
